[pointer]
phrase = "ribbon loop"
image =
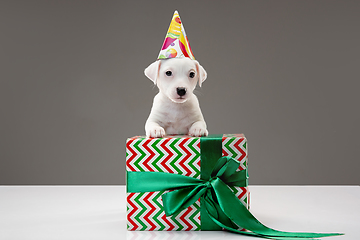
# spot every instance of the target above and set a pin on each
(225, 167)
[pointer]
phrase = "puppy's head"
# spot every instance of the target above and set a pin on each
(176, 77)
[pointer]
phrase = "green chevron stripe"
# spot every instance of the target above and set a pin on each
(161, 155)
(245, 158)
(177, 156)
(233, 189)
(177, 223)
(157, 216)
(227, 145)
(196, 157)
(193, 219)
(246, 200)
(127, 212)
(142, 155)
(143, 210)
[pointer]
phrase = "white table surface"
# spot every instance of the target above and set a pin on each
(99, 212)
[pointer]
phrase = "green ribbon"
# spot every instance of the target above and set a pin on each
(219, 206)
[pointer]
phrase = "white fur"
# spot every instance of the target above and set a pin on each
(171, 113)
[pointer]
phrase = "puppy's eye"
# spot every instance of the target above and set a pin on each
(168, 73)
(192, 75)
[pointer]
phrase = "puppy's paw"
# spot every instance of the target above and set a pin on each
(198, 132)
(155, 132)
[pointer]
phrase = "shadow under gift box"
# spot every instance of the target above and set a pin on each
(178, 155)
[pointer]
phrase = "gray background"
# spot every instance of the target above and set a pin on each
(285, 73)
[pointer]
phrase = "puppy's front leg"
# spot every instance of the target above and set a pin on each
(154, 130)
(198, 129)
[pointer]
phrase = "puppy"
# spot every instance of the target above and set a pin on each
(175, 108)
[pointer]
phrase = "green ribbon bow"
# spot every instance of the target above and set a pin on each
(220, 208)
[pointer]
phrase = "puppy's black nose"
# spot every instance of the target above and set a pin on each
(181, 91)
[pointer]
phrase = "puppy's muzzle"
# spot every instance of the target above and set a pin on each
(181, 91)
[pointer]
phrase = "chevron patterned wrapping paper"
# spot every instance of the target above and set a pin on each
(178, 155)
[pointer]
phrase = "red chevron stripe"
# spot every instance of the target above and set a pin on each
(147, 159)
(223, 151)
(182, 218)
(244, 190)
(243, 154)
(129, 160)
(198, 145)
(152, 209)
(186, 157)
(167, 222)
(132, 212)
(170, 154)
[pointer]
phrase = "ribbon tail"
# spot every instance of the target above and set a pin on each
(215, 213)
(230, 229)
(240, 215)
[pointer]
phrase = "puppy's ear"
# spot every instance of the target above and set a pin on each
(201, 73)
(152, 71)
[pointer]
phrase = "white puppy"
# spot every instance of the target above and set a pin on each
(175, 108)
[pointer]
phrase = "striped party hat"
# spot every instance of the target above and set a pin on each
(176, 44)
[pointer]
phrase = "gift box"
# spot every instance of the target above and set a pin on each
(181, 155)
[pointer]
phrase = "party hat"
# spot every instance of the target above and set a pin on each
(176, 44)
